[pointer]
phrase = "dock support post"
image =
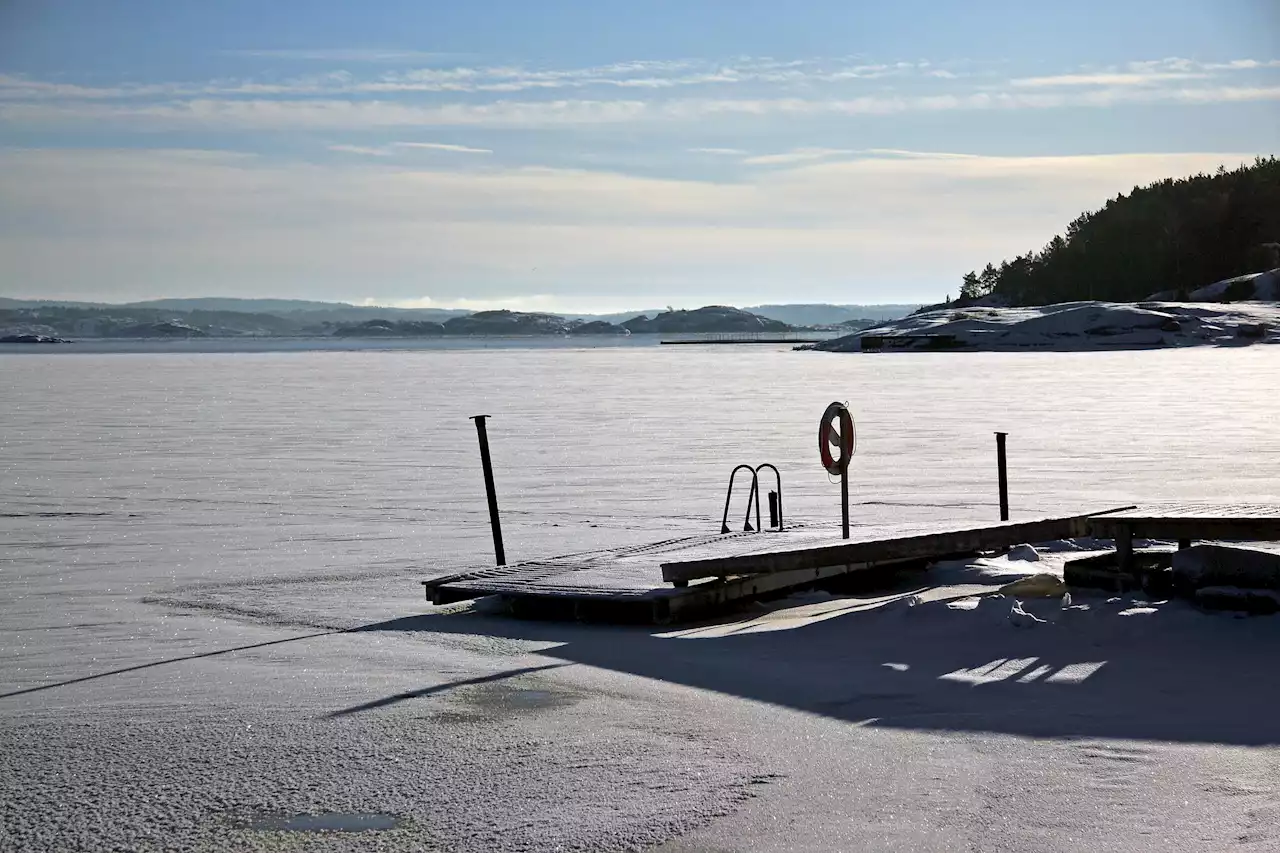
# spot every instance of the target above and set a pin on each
(490, 492)
(1004, 475)
(1124, 548)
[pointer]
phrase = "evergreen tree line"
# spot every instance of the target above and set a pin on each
(1174, 235)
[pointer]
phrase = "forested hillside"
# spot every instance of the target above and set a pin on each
(1174, 235)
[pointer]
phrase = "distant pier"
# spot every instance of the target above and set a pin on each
(749, 338)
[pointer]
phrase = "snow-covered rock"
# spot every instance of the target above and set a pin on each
(1073, 326)
(1026, 553)
(1036, 586)
(1226, 565)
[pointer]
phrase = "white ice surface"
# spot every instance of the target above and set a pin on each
(180, 536)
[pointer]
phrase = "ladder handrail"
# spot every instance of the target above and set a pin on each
(778, 478)
(752, 497)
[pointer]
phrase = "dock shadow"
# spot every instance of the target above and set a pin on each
(1161, 672)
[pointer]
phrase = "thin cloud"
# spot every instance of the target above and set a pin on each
(371, 55)
(394, 148)
(441, 146)
(641, 77)
(796, 155)
(1243, 65)
(336, 114)
(366, 150)
(721, 152)
(1106, 79)
(652, 75)
(1149, 72)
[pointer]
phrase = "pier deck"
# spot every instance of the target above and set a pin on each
(684, 577)
(713, 570)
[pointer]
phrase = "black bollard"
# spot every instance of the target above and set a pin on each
(490, 491)
(1004, 475)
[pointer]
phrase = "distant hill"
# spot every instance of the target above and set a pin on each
(303, 310)
(615, 319)
(830, 315)
(712, 318)
(1169, 237)
(816, 314)
(223, 317)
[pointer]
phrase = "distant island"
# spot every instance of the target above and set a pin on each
(34, 322)
(713, 318)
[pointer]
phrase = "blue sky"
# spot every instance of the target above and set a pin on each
(595, 155)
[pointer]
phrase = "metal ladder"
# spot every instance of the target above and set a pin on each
(753, 499)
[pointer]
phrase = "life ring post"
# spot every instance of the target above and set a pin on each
(837, 415)
(490, 491)
(844, 503)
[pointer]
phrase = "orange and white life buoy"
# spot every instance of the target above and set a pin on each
(829, 437)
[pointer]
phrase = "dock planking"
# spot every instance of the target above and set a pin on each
(714, 570)
(1192, 521)
(876, 546)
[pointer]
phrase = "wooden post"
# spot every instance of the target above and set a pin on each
(1003, 472)
(490, 492)
(1124, 548)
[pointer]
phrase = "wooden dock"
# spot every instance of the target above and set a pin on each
(707, 572)
(1185, 523)
(690, 576)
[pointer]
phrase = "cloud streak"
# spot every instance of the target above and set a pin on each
(338, 114)
(1145, 73)
(395, 148)
(442, 146)
(653, 75)
(1107, 79)
(371, 55)
(796, 155)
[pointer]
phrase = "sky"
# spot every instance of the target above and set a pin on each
(596, 155)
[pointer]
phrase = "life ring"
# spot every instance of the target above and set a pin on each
(828, 438)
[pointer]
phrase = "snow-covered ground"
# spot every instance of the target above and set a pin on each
(1077, 326)
(211, 620)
